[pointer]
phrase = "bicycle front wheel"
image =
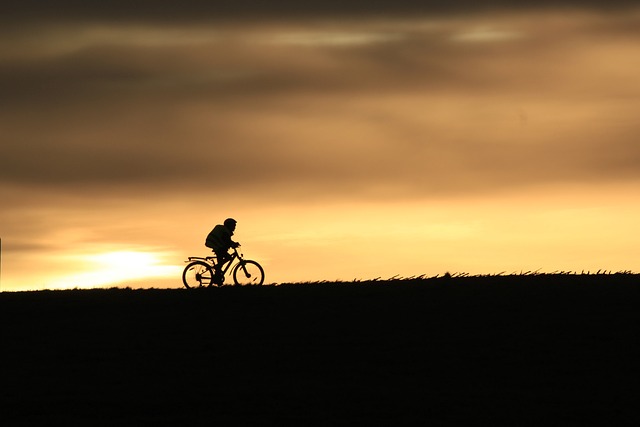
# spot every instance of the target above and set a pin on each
(197, 274)
(248, 273)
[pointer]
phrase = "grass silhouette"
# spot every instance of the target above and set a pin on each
(505, 349)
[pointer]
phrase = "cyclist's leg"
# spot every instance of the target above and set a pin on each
(221, 259)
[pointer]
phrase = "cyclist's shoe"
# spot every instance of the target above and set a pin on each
(218, 278)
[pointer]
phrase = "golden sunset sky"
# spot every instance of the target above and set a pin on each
(349, 141)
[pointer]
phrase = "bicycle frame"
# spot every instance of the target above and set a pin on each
(213, 260)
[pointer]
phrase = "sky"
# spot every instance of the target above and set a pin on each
(350, 140)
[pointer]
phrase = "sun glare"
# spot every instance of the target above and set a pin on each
(125, 260)
(117, 268)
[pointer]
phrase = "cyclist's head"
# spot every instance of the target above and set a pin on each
(230, 223)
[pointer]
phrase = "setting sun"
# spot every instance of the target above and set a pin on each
(114, 268)
(129, 262)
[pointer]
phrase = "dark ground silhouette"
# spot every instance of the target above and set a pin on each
(501, 351)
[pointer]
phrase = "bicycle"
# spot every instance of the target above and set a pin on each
(200, 271)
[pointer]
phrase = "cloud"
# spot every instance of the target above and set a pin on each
(410, 106)
(337, 39)
(486, 35)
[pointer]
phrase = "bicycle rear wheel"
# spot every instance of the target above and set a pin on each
(248, 273)
(197, 274)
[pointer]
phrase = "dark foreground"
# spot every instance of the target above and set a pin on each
(498, 351)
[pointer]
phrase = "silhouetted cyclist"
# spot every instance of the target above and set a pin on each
(219, 239)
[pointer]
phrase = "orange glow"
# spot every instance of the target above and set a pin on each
(552, 231)
(547, 229)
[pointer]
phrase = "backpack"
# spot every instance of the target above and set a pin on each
(209, 241)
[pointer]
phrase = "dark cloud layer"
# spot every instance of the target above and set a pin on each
(416, 107)
(206, 10)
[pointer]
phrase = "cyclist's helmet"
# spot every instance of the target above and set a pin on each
(230, 222)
